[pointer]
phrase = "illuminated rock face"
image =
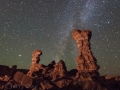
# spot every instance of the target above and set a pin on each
(59, 70)
(35, 66)
(85, 59)
(36, 56)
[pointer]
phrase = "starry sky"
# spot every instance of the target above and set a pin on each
(27, 25)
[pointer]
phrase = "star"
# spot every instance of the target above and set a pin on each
(19, 55)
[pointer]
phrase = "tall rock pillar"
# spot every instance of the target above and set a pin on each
(35, 66)
(85, 59)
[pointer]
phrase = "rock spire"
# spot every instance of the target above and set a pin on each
(85, 59)
(35, 66)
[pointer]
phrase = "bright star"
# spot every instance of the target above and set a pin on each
(20, 55)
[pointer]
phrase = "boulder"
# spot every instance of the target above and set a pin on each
(18, 76)
(63, 83)
(27, 81)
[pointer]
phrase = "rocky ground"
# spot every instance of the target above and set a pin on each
(16, 79)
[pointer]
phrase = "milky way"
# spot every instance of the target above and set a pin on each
(27, 25)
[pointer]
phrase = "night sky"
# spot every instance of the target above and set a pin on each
(27, 25)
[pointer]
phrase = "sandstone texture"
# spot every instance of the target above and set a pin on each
(85, 59)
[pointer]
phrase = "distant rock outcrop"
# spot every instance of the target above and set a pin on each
(85, 59)
(59, 70)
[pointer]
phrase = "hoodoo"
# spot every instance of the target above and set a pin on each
(35, 66)
(85, 59)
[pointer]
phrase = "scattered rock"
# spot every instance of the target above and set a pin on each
(63, 83)
(46, 85)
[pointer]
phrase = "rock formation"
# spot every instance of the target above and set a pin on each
(35, 66)
(85, 59)
(59, 70)
(55, 76)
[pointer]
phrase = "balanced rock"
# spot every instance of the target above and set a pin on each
(35, 66)
(85, 59)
